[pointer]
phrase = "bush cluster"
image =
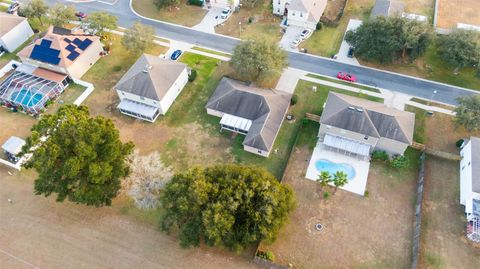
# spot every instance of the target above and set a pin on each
(396, 161)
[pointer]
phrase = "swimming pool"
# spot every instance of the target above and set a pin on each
(24, 97)
(325, 165)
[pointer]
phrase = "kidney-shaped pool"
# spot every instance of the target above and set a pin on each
(323, 165)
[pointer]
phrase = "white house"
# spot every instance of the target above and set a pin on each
(303, 13)
(150, 87)
(470, 185)
(14, 31)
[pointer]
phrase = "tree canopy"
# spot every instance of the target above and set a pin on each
(468, 112)
(60, 14)
(387, 39)
(100, 21)
(460, 48)
(138, 38)
(34, 9)
(254, 60)
(225, 205)
(165, 3)
(77, 157)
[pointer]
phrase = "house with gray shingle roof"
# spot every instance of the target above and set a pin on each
(359, 126)
(254, 112)
(150, 87)
(470, 185)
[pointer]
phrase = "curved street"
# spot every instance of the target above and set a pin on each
(310, 63)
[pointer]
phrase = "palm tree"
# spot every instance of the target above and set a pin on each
(323, 179)
(339, 180)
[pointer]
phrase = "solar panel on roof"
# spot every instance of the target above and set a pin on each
(73, 55)
(67, 40)
(77, 42)
(45, 54)
(70, 47)
(85, 44)
(46, 43)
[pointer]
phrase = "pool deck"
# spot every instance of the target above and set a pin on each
(357, 185)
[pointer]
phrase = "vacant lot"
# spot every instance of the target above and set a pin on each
(47, 234)
(451, 12)
(359, 232)
(420, 7)
(443, 242)
(183, 14)
(253, 23)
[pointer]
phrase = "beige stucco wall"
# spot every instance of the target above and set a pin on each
(89, 57)
(256, 151)
(391, 146)
(348, 134)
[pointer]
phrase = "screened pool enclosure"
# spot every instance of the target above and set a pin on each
(29, 92)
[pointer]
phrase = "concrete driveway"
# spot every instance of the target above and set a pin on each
(211, 19)
(291, 34)
(343, 52)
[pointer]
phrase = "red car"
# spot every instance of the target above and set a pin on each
(81, 15)
(346, 76)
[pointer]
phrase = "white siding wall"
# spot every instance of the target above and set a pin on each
(85, 60)
(256, 151)
(51, 67)
(391, 146)
(465, 173)
(138, 98)
(214, 113)
(348, 134)
(173, 92)
(279, 6)
(17, 36)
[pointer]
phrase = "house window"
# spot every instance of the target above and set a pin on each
(278, 10)
(366, 137)
(123, 93)
(259, 152)
(469, 163)
(279, 4)
(301, 14)
(463, 167)
(142, 98)
(293, 13)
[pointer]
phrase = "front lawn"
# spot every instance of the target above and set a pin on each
(183, 14)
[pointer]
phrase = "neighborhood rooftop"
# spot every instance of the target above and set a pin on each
(265, 109)
(314, 8)
(475, 164)
(151, 77)
(367, 117)
(9, 21)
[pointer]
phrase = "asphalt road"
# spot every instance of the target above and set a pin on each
(377, 78)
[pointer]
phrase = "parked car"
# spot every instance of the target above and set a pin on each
(176, 54)
(225, 13)
(13, 7)
(295, 43)
(346, 76)
(81, 15)
(306, 34)
(350, 52)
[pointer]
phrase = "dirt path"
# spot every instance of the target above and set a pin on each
(37, 232)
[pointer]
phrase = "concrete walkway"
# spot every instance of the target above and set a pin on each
(289, 79)
(211, 19)
(291, 33)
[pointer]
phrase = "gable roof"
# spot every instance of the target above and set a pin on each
(368, 118)
(266, 109)
(151, 77)
(314, 8)
(59, 46)
(475, 163)
(387, 8)
(9, 21)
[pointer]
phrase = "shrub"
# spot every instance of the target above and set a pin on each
(48, 103)
(117, 68)
(459, 143)
(366, 194)
(267, 255)
(193, 75)
(326, 195)
(250, 19)
(399, 161)
(319, 26)
(294, 100)
(379, 155)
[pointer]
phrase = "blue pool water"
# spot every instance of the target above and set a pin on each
(25, 97)
(331, 167)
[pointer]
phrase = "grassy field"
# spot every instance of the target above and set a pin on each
(264, 25)
(8, 56)
(326, 41)
(67, 97)
(211, 51)
(420, 118)
(182, 14)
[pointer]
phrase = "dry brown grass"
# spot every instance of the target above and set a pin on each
(421, 7)
(183, 14)
(451, 12)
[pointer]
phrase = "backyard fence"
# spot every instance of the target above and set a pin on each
(312, 117)
(86, 93)
(418, 213)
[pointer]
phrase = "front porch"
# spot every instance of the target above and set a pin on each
(138, 110)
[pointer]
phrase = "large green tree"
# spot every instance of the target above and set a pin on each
(100, 21)
(460, 48)
(77, 157)
(60, 14)
(165, 3)
(227, 205)
(138, 38)
(387, 39)
(468, 112)
(34, 9)
(258, 59)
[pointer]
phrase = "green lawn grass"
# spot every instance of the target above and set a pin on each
(212, 51)
(67, 97)
(8, 56)
(419, 131)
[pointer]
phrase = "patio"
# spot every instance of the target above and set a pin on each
(356, 169)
